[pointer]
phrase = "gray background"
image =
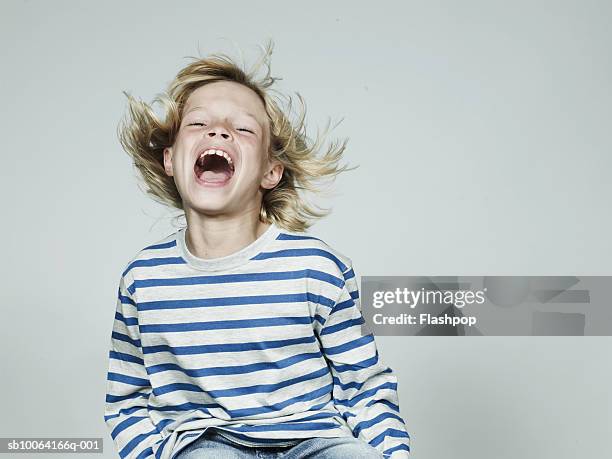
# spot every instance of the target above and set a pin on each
(482, 131)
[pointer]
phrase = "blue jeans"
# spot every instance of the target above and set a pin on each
(214, 446)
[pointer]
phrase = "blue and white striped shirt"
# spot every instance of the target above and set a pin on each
(265, 343)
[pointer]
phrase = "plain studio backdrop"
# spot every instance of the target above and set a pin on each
(482, 133)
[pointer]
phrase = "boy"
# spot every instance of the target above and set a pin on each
(239, 335)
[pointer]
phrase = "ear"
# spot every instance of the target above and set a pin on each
(168, 161)
(273, 174)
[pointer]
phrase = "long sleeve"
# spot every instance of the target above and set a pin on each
(365, 390)
(128, 387)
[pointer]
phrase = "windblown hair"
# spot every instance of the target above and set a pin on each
(144, 137)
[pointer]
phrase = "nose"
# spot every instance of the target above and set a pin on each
(218, 129)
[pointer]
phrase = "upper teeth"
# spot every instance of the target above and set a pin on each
(212, 151)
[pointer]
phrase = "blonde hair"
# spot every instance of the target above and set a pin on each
(144, 137)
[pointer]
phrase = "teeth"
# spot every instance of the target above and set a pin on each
(219, 153)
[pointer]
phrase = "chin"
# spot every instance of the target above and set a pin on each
(208, 210)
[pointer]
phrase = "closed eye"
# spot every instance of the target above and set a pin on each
(203, 124)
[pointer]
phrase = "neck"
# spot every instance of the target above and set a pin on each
(210, 237)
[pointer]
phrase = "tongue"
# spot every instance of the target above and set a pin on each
(215, 177)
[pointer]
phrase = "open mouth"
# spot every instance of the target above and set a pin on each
(214, 167)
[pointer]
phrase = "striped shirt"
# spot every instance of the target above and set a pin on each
(265, 344)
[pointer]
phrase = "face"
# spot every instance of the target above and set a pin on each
(219, 158)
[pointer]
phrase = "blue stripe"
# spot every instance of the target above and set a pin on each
(235, 433)
(235, 301)
(347, 304)
(145, 453)
(125, 357)
(245, 277)
(236, 369)
(162, 245)
(130, 410)
(282, 405)
(154, 262)
(342, 325)
(391, 405)
(127, 422)
(126, 379)
(127, 321)
(289, 426)
(355, 367)
(348, 346)
(395, 433)
(374, 421)
(305, 252)
(202, 407)
(354, 384)
(295, 237)
(126, 299)
(121, 337)
(240, 391)
(400, 447)
(230, 347)
(189, 406)
(131, 445)
(224, 324)
(365, 394)
(160, 449)
(120, 398)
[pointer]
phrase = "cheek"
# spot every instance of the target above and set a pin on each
(186, 138)
(182, 153)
